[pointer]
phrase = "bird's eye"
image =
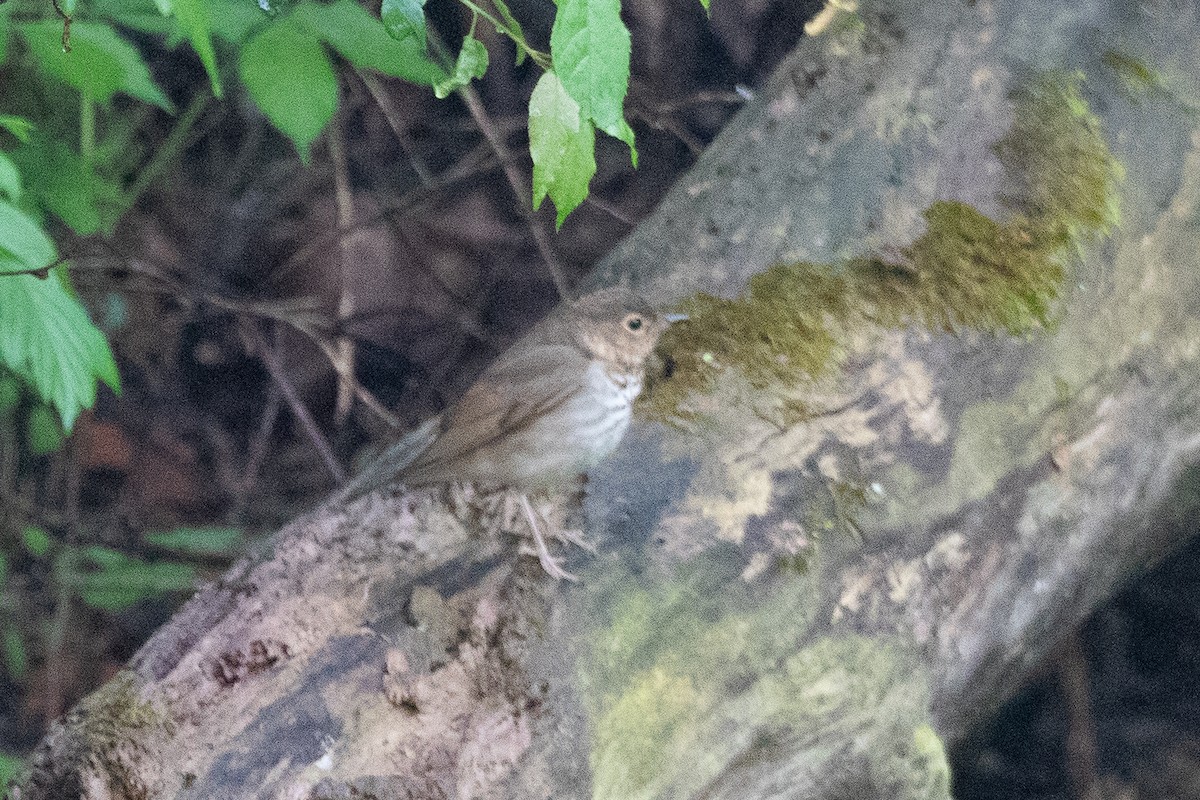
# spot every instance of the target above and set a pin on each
(633, 322)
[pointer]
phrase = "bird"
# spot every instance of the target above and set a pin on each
(542, 414)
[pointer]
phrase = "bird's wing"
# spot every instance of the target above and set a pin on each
(508, 396)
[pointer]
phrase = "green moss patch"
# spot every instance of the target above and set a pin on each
(966, 271)
(684, 681)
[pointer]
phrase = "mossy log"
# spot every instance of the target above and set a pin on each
(939, 398)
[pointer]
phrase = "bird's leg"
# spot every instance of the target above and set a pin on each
(571, 497)
(548, 562)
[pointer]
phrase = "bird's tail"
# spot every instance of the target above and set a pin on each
(385, 469)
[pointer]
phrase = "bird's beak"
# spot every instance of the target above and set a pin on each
(673, 318)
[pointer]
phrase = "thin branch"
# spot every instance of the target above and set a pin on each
(342, 355)
(387, 107)
(520, 188)
(516, 180)
(270, 360)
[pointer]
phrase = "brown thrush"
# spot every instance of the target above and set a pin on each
(542, 414)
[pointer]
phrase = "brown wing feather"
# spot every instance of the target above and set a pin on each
(491, 410)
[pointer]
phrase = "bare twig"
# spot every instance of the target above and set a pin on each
(271, 361)
(610, 209)
(387, 107)
(516, 180)
(256, 452)
(342, 354)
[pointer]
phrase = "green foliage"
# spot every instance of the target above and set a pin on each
(472, 62)
(195, 16)
(111, 580)
(16, 659)
(200, 541)
(36, 541)
(47, 338)
(10, 767)
(10, 394)
(358, 37)
(288, 73)
(561, 143)
(10, 178)
(100, 64)
(590, 47)
(66, 185)
(404, 19)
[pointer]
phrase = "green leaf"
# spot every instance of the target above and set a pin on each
(15, 658)
(590, 47)
(17, 126)
(10, 178)
(472, 62)
(514, 27)
(199, 541)
(290, 77)
(705, 5)
(3, 569)
(23, 245)
(43, 433)
(234, 20)
(45, 334)
(404, 19)
(120, 581)
(67, 185)
(361, 39)
(562, 144)
(100, 64)
(194, 16)
(36, 540)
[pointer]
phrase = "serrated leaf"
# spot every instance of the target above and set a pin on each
(17, 126)
(23, 244)
(590, 47)
(100, 64)
(121, 581)
(472, 62)
(10, 178)
(562, 144)
(67, 185)
(195, 17)
(45, 334)
(199, 541)
(361, 39)
(404, 19)
(288, 74)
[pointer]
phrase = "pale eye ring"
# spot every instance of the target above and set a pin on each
(634, 322)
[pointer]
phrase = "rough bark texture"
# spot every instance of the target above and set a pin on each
(808, 590)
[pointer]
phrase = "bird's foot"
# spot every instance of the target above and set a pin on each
(552, 565)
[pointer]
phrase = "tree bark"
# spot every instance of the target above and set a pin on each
(806, 587)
